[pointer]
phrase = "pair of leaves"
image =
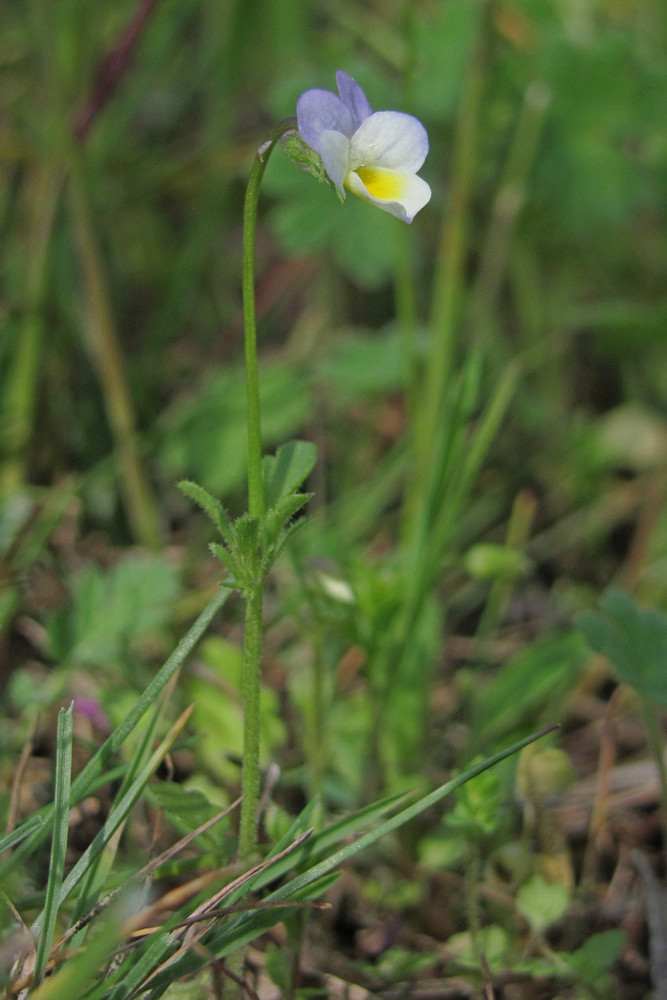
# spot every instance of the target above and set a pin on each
(251, 544)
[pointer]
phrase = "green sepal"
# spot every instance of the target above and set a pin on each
(300, 153)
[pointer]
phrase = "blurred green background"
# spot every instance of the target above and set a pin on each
(127, 133)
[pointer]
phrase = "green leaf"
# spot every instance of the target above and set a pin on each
(596, 955)
(365, 364)
(538, 676)
(58, 842)
(208, 503)
(284, 472)
(110, 608)
(279, 967)
(188, 809)
(633, 640)
(14, 838)
(273, 553)
(542, 902)
(226, 558)
(246, 546)
(492, 941)
(478, 806)
(363, 241)
(277, 517)
(204, 437)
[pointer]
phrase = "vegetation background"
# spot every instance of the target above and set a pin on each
(487, 391)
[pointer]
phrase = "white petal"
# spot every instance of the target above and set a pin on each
(353, 98)
(390, 139)
(335, 153)
(401, 194)
(318, 111)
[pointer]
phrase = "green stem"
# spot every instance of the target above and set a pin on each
(255, 498)
(252, 657)
(318, 735)
(252, 642)
(406, 314)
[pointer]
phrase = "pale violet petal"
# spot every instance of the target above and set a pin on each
(353, 98)
(390, 139)
(335, 153)
(399, 193)
(318, 111)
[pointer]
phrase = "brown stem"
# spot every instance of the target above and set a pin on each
(112, 70)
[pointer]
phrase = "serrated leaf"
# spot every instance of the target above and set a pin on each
(284, 472)
(187, 808)
(110, 608)
(208, 503)
(633, 640)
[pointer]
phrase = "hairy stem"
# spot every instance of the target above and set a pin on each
(252, 643)
(255, 499)
(252, 657)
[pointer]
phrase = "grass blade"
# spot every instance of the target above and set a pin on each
(59, 840)
(117, 815)
(243, 929)
(25, 829)
(94, 769)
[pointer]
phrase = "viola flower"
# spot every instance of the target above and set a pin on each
(375, 155)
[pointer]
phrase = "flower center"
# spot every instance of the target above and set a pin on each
(386, 185)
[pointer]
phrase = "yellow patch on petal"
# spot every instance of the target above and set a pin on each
(385, 185)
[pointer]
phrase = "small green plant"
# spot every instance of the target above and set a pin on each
(218, 912)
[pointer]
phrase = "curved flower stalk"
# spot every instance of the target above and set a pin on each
(375, 155)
